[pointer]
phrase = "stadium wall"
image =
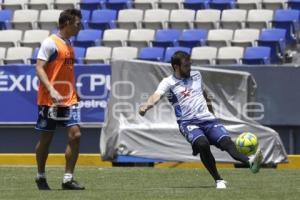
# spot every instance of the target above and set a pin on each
(277, 90)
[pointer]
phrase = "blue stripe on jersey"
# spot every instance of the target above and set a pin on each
(53, 56)
(173, 99)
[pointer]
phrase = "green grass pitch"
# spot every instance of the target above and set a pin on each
(118, 183)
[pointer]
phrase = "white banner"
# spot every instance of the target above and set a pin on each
(157, 135)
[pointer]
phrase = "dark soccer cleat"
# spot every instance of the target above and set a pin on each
(72, 185)
(42, 184)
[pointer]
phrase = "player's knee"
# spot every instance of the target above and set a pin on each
(46, 138)
(201, 144)
(74, 133)
(226, 143)
(75, 136)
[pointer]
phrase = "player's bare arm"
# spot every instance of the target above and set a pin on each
(208, 101)
(40, 70)
(152, 100)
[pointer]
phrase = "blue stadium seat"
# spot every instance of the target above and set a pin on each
(171, 50)
(118, 4)
(294, 4)
(221, 4)
(34, 56)
(151, 53)
(257, 56)
(86, 16)
(288, 20)
(79, 54)
(91, 4)
(193, 38)
(166, 38)
(87, 38)
(275, 39)
(103, 19)
(5, 18)
(196, 4)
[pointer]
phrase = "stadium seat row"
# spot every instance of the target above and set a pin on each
(153, 18)
(148, 4)
(189, 4)
(38, 4)
(274, 38)
(199, 55)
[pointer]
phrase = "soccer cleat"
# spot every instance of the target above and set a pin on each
(42, 184)
(72, 185)
(255, 163)
(221, 184)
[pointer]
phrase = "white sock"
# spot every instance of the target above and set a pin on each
(251, 159)
(41, 175)
(67, 177)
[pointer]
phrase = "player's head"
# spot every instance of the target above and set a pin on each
(181, 63)
(70, 21)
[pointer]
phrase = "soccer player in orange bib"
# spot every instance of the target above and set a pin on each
(57, 98)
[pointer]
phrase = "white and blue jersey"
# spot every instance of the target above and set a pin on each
(186, 96)
(193, 117)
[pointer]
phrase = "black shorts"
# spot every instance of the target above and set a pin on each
(50, 117)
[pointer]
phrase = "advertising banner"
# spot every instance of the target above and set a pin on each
(18, 93)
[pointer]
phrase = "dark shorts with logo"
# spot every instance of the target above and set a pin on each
(213, 130)
(50, 117)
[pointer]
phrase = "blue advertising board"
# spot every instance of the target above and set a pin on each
(18, 93)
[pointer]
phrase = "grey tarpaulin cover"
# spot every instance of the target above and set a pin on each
(156, 135)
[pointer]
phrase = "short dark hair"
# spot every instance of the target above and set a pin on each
(68, 15)
(178, 56)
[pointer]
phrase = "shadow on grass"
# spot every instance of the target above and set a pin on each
(193, 187)
(58, 189)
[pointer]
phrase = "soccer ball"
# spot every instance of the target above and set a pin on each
(247, 143)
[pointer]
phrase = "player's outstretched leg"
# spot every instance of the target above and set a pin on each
(255, 162)
(227, 145)
(202, 146)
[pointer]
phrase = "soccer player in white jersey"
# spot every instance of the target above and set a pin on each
(194, 116)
